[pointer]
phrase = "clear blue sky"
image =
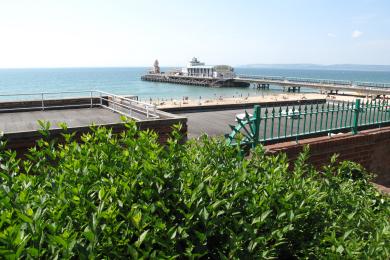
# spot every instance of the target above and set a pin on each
(100, 33)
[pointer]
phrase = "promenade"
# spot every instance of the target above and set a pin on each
(19, 122)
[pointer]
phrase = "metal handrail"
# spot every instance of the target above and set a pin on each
(47, 93)
(278, 124)
(316, 81)
(125, 98)
(373, 84)
(133, 107)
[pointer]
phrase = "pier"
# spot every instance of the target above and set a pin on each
(289, 84)
(196, 73)
(205, 82)
(194, 80)
(326, 86)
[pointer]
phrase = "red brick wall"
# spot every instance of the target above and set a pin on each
(371, 148)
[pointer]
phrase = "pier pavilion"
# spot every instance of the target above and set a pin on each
(195, 68)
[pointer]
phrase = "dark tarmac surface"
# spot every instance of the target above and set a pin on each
(213, 123)
(28, 121)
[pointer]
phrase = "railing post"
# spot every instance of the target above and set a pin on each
(91, 100)
(42, 103)
(356, 112)
(256, 126)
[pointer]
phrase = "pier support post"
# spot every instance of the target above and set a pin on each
(263, 86)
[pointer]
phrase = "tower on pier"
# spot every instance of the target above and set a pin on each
(156, 67)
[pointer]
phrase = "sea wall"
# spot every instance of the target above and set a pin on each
(219, 107)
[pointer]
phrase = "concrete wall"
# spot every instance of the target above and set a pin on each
(371, 148)
(50, 104)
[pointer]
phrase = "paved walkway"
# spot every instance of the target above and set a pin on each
(213, 123)
(28, 121)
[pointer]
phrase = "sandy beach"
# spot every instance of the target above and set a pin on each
(186, 102)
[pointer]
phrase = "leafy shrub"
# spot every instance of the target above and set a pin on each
(127, 196)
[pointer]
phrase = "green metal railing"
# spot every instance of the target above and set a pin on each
(274, 124)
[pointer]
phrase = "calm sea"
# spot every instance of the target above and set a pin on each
(127, 81)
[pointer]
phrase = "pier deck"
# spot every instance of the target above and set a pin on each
(324, 85)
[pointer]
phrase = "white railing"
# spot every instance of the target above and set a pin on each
(128, 106)
(315, 81)
(372, 84)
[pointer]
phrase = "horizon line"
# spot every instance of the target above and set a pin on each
(179, 66)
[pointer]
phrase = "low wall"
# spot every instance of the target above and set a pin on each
(56, 104)
(22, 141)
(50, 104)
(370, 148)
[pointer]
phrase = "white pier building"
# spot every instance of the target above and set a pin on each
(196, 68)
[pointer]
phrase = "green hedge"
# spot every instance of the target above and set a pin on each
(126, 196)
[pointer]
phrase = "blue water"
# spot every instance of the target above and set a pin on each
(127, 81)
